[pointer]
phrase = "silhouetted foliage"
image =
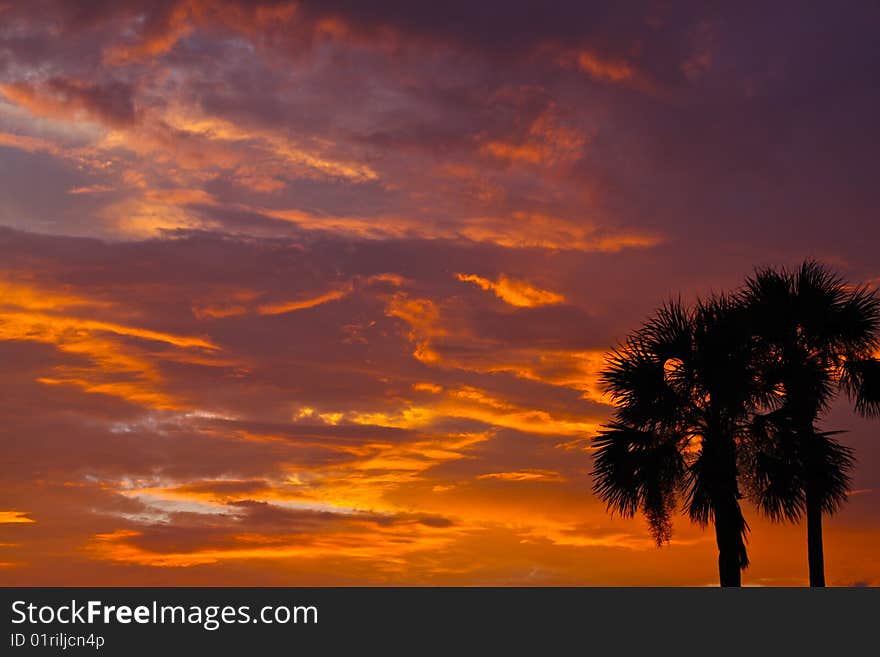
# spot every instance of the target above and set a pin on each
(684, 387)
(818, 335)
(861, 380)
(729, 392)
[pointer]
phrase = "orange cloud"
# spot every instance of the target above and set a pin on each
(360, 484)
(178, 23)
(423, 316)
(536, 230)
(244, 301)
(69, 99)
(428, 387)
(227, 302)
(28, 144)
(569, 534)
(14, 517)
(53, 328)
(474, 404)
(188, 15)
(531, 153)
(378, 472)
(548, 142)
(281, 146)
(282, 307)
(518, 230)
(576, 369)
(524, 475)
(116, 367)
(376, 546)
(178, 150)
(90, 189)
(515, 292)
(32, 297)
(363, 227)
(610, 70)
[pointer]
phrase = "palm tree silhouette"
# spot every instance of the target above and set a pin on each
(817, 335)
(685, 386)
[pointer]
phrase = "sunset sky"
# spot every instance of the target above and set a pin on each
(316, 293)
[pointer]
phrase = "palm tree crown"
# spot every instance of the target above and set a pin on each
(818, 335)
(684, 386)
(729, 393)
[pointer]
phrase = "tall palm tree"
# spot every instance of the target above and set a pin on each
(818, 335)
(684, 386)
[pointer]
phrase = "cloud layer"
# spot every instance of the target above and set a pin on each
(317, 292)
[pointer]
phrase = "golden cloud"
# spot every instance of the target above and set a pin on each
(576, 369)
(524, 475)
(513, 291)
(611, 70)
(548, 142)
(15, 517)
(282, 307)
(471, 403)
(116, 368)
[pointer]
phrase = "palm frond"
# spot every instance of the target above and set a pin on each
(668, 334)
(861, 381)
(634, 378)
(636, 470)
(856, 325)
(774, 474)
(636, 373)
(829, 467)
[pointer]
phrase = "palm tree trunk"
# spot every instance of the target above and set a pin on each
(719, 448)
(815, 551)
(729, 522)
(728, 536)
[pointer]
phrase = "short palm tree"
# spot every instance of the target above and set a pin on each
(685, 386)
(818, 335)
